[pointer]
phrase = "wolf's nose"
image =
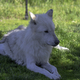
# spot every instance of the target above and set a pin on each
(57, 42)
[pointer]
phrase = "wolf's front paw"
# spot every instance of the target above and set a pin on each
(58, 75)
(55, 77)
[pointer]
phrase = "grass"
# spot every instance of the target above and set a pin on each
(66, 17)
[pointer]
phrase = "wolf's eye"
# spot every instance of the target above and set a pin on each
(46, 31)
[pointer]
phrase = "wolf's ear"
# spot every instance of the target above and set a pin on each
(33, 17)
(50, 13)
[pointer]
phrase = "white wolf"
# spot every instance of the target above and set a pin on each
(32, 46)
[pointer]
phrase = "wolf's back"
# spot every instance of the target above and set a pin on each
(4, 43)
(21, 27)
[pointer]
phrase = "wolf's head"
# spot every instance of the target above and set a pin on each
(43, 28)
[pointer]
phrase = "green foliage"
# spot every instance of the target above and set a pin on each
(37, 2)
(66, 18)
(13, 1)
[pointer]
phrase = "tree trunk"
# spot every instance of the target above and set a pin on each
(26, 12)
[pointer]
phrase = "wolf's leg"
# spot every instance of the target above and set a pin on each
(61, 48)
(31, 65)
(51, 68)
(35, 68)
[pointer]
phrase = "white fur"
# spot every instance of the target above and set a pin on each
(32, 46)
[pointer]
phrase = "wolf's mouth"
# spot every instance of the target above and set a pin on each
(54, 44)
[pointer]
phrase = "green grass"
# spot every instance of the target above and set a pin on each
(66, 17)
